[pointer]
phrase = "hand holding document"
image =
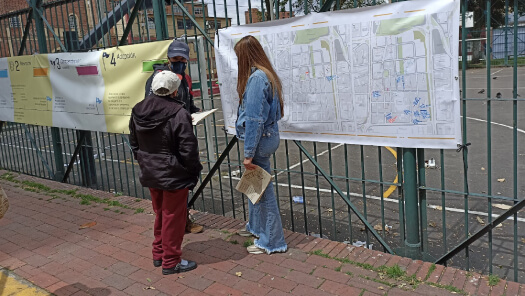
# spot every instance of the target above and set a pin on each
(196, 117)
(253, 183)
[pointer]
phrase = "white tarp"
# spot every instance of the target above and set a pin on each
(384, 75)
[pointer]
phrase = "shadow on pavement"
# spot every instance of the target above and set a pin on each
(73, 288)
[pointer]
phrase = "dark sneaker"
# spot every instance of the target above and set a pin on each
(183, 266)
(157, 263)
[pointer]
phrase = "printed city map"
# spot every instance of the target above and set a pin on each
(386, 75)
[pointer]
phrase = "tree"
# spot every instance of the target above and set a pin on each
(497, 19)
(315, 5)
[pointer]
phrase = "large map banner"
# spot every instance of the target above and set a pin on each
(384, 75)
(89, 90)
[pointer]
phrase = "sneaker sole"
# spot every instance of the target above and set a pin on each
(179, 271)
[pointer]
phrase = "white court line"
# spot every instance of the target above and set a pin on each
(497, 71)
(495, 123)
(306, 160)
(389, 200)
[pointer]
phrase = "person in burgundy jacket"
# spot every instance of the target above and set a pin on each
(164, 145)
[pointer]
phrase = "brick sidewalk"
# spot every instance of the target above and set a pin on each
(40, 240)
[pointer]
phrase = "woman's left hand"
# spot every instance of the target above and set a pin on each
(248, 164)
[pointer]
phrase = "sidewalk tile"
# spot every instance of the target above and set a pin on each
(138, 289)
(252, 288)
(219, 289)
(278, 283)
(194, 281)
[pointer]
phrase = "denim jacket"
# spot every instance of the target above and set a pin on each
(258, 114)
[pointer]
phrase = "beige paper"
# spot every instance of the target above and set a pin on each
(201, 115)
(253, 183)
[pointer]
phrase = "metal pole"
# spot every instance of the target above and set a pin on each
(205, 97)
(506, 35)
(161, 25)
(412, 241)
(272, 14)
(42, 48)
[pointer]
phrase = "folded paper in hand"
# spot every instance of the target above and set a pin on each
(196, 117)
(253, 183)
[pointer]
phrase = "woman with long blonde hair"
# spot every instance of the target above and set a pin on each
(260, 108)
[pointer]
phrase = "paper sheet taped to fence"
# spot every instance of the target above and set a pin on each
(384, 75)
(89, 90)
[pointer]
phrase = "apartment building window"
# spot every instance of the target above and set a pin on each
(14, 22)
(72, 21)
(198, 10)
(180, 24)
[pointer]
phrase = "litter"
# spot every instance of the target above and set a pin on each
(317, 235)
(362, 244)
(298, 199)
(431, 163)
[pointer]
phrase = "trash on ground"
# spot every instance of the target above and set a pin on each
(148, 288)
(298, 199)
(317, 235)
(379, 227)
(431, 163)
(480, 220)
(501, 180)
(362, 244)
(439, 208)
(239, 274)
(502, 206)
(87, 225)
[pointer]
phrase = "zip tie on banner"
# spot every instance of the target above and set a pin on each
(461, 147)
(217, 33)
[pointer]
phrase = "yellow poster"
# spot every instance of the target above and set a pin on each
(125, 70)
(83, 90)
(31, 89)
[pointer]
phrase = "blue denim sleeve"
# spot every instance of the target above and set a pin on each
(256, 110)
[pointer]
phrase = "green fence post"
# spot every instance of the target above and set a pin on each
(161, 20)
(42, 47)
(412, 248)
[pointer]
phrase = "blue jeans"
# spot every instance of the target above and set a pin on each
(264, 217)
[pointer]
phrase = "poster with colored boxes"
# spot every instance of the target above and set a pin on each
(89, 90)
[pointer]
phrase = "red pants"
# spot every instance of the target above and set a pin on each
(170, 208)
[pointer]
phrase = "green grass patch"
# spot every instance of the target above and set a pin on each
(248, 243)
(448, 288)
(362, 292)
(139, 210)
(117, 194)
(338, 268)
(394, 272)
(430, 270)
(9, 177)
(234, 242)
(85, 202)
(493, 280)
(379, 281)
(36, 186)
(107, 209)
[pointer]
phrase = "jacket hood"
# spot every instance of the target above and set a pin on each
(154, 111)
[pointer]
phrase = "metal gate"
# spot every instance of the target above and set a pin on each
(452, 207)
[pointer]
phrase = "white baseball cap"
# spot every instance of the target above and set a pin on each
(165, 83)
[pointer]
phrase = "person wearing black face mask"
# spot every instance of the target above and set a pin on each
(178, 56)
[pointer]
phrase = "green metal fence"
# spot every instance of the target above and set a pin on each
(464, 210)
